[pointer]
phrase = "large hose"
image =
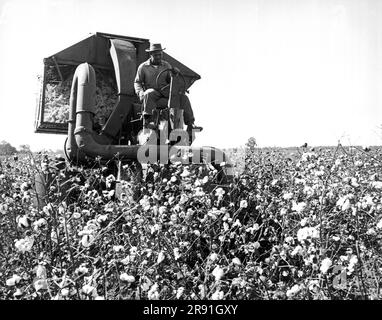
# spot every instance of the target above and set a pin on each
(82, 140)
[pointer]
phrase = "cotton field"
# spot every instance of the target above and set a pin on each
(296, 224)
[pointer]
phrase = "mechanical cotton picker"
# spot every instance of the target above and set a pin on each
(87, 93)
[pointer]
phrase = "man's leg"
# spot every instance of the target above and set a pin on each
(188, 114)
(189, 119)
(150, 98)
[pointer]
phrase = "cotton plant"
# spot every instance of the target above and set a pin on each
(288, 227)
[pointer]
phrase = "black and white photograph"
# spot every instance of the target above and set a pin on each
(185, 157)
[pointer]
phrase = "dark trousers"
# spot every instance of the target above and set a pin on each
(152, 98)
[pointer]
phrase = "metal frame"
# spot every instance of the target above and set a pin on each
(42, 126)
(114, 36)
(64, 57)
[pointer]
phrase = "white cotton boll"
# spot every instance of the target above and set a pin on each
(87, 240)
(179, 292)
(126, 260)
(89, 290)
(118, 248)
(17, 293)
(76, 215)
(185, 173)
(213, 256)
(145, 203)
(127, 278)
(171, 200)
(219, 192)
(377, 184)
(298, 207)
(177, 255)
(218, 273)
(54, 236)
(325, 265)
(3, 208)
(236, 223)
(65, 292)
(354, 182)
(296, 250)
(13, 281)
(368, 200)
(319, 173)
(308, 191)
(303, 222)
(236, 261)
(243, 204)
(23, 222)
(256, 245)
(302, 234)
(24, 245)
(293, 291)
(198, 192)
(153, 294)
(371, 232)
(162, 210)
(37, 224)
(102, 218)
(352, 262)
(358, 163)
(217, 295)
(40, 284)
(346, 205)
(307, 232)
(313, 285)
(161, 257)
(81, 270)
(288, 196)
(40, 271)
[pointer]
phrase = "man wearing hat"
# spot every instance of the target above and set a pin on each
(146, 87)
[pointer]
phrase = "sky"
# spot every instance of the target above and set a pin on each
(283, 71)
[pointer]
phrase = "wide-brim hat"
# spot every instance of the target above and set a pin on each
(155, 47)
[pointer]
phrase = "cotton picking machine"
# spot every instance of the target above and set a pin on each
(88, 94)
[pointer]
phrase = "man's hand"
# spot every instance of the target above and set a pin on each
(141, 95)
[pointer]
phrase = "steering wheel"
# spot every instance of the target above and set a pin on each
(172, 71)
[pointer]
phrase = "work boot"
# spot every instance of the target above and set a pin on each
(148, 124)
(147, 120)
(192, 127)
